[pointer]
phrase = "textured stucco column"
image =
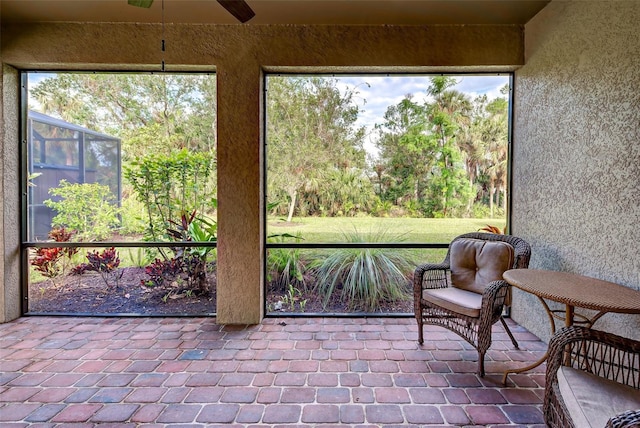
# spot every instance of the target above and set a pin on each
(10, 302)
(239, 299)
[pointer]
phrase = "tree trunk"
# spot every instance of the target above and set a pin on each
(200, 274)
(492, 192)
(292, 206)
(472, 197)
(504, 201)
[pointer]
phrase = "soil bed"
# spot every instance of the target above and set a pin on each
(88, 294)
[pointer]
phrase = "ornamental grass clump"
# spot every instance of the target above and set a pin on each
(364, 278)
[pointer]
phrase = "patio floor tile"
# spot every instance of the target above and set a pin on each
(328, 372)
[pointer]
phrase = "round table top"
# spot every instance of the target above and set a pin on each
(576, 290)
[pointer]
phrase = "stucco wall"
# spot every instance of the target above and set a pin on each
(10, 298)
(576, 162)
(240, 54)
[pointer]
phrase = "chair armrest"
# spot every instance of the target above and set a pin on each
(433, 266)
(628, 419)
(493, 299)
(430, 275)
(600, 353)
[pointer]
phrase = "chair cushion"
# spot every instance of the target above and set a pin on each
(475, 263)
(592, 400)
(454, 299)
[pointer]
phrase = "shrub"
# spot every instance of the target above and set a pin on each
(105, 263)
(285, 266)
(132, 217)
(87, 208)
(188, 263)
(52, 262)
(169, 185)
(161, 270)
(194, 259)
(365, 277)
(47, 260)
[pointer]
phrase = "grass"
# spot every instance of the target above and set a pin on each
(333, 229)
(414, 230)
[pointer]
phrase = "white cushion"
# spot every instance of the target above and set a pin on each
(455, 299)
(592, 400)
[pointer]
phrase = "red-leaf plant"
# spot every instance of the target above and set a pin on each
(47, 261)
(105, 263)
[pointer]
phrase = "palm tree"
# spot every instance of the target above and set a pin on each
(450, 112)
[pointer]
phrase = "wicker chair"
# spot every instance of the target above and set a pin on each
(466, 293)
(605, 372)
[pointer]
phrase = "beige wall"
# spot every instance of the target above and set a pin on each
(10, 299)
(576, 163)
(240, 54)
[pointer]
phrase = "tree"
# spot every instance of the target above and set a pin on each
(310, 134)
(495, 138)
(149, 112)
(407, 153)
(447, 114)
(486, 149)
(157, 117)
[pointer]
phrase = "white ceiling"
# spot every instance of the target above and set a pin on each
(348, 12)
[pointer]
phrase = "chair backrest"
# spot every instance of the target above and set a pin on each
(522, 250)
(475, 262)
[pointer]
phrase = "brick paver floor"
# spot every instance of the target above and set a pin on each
(360, 372)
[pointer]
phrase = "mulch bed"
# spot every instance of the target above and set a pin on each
(88, 294)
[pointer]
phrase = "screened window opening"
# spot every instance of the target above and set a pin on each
(120, 208)
(368, 176)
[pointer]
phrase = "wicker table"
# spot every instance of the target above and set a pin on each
(573, 291)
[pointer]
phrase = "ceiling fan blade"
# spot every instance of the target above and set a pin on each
(238, 8)
(141, 3)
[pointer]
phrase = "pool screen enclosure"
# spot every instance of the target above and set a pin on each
(59, 150)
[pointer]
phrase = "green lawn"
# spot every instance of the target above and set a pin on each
(332, 229)
(414, 230)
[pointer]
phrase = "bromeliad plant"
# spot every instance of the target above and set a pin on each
(492, 229)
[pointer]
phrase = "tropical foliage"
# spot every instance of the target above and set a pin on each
(445, 157)
(52, 262)
(170, 185)
(316, 160)
(89, 209)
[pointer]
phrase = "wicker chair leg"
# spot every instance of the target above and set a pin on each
(481, 363)
(420, 333)
(508, 330)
